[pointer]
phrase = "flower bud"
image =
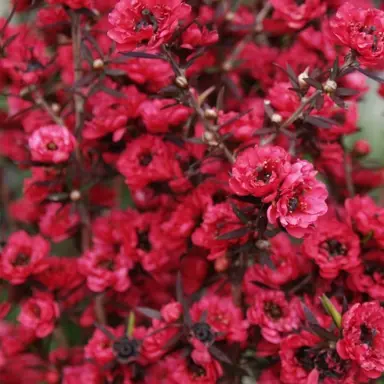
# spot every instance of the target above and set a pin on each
(75, 195)
(330, 86)
(276, 118)
(209, 138)
(361, 148)
(221, 264)
(303, 75)
(262, 244)
(181, 82)
(210, 114)
(98, 64)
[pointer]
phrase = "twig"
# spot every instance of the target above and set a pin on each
(78, 99)
(99, 309)
(56, 118)
(295, 115)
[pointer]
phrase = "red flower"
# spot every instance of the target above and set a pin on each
(297, 14)
(274, 314)
(105, 270)
(23, 256)
(259, 171)
(197, 36)
(58, 222)
(363, 337)
(74, 4)
(334, 247)
(301, 200)
(159, 117)
(99, 347)
(362, 30)
(366, 217)
(218, 220)
(152, 73)
(287, 266)
(222, 316)
(369, 276)
(147, 23)
(51, 144)
(39, 313)
(145, 160)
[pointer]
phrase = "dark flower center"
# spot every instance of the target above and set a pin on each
(335, 248)
(203, 332)
(51, 146)
(21, 260)
(125, 349)
(145, 159)
(143, 241)
(293, 203)
(371, 267)
(305, 356)
(109, 265)
(367, 334)
(273, 310)
(329, 364)
(264, 174)
(369, 30)
(299, 2)
(148, 19)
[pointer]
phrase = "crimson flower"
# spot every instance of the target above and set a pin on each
(258, 171)
(361, 29)
(301, 200)
(145, 23)
(39, 313)
(23, 256)
(363, 337)
(51, 144)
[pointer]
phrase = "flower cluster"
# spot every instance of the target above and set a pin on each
(179, 204)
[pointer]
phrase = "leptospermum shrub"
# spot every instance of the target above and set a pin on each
(190, 212)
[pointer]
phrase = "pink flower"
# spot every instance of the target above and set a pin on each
(274, 314)
(148, 23)
(51, 144)
(297, 14)
(259, 171)
(105, 270)
(197, 36)
(222, 316)
(360, 29)
(23, 256)
(301, 200)
(39, 313)
(334, 247)
(171, 312)
(363, 337)
(58, 222)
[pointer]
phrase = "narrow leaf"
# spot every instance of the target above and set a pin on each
(131, 324)
(143, 55)
(239, 214)
(346, 92)
(314, 83)
(319, 121)
(234, 234)
(310, 317)
(371, 75)
(219, 355)
(323, 333)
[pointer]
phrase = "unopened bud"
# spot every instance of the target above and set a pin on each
(98, 64)
(55, 108)
(332, 311)
(210, 114)
(209, 138)
(230, 16)
(303, 75)
(361, 148)
(276, 118)
(227, 66)
(263, 245)
(330, 86)
(221, 264)
(181, 82)
(75, 195)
